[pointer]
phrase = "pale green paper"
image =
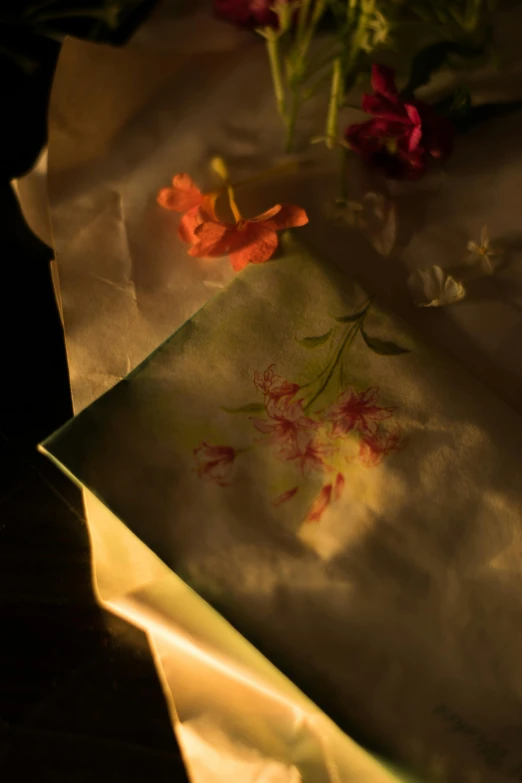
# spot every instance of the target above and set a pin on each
(378, 610)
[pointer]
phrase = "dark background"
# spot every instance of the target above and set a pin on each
(79, 696)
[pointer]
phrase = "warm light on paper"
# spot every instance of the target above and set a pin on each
(121, 121)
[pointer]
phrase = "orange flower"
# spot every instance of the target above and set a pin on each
(251, 241)
(185, 196)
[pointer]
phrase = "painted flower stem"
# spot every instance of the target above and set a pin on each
(346, 342)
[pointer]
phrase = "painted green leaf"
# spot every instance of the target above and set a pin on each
(346, 319)
(314, 342)
(384, 347)
(252, 407)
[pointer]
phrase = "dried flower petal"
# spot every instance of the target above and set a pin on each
(433, 287)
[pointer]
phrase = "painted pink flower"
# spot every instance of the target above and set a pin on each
(339, 485)
(320, 504)
(403, 135)
(214, 463)
(274, 386)
(185, 196)
(287, 426)
(375, 446)
(356, 411)
(312, 456)
(285, 496)
(329, 494)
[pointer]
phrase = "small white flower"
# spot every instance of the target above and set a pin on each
(433, 287)
(483, 253)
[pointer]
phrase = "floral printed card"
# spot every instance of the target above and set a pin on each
(348, 499)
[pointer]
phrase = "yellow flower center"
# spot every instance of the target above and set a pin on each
(391, 146)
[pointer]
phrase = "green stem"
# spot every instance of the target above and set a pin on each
(289, 167)
(325, 368)
(334, 103)
(303, 18)
(292, 118)
(304, 43)
(272, 45)
(296, 62)
(347, 341)
(351, 10)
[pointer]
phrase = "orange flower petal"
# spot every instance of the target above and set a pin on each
(188, 224)
(262, 243)
(268, 215)
(208, 207)
(182, 196)
(213, 240)
(288, 216)
(184, 182)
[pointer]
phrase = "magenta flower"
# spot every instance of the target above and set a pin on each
(274, 386)
(214, 463)
(356, 411)
(248, 13)
(403, 135)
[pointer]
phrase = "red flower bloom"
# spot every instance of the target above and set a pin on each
(273, 385)
(185, 196)
(214, 463)
(320, 504)
(247, 13)
(287, 426)
(404, 134)
(356, 411)
(375, 446)
(251, 241)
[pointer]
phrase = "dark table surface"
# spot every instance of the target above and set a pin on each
(79, 695)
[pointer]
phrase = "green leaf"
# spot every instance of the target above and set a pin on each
(346, 319)
(461, 103)
(315, 342)
(383, 347)
(487, 111)
(252, 407)
(434, 57)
